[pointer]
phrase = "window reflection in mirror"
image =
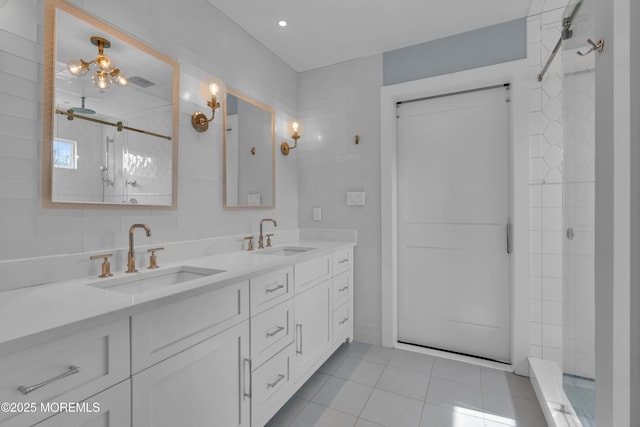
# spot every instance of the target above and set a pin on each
(249, 154)
(124, 136)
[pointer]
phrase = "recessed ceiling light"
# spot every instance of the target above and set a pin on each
(282, 23)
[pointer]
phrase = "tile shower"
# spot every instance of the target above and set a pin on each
(562, 155)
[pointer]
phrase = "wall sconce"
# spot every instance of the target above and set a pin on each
(105, 74)
(213, 91)
(294, 128)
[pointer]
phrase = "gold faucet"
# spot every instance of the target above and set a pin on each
(261, 238)
(131, 255)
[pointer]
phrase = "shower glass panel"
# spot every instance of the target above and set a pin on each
(578, 78)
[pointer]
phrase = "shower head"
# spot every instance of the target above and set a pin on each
(82, 110)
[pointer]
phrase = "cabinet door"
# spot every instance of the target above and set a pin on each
(111, 408)
(205, 385)
(313, 327)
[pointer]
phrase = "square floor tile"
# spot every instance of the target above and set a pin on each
(314, 415)
(451, 393)
(509, 410)
(449, 416)
(392, 410)
(344, 396)
(285, 416)
(365, 423)
(405, 383)
(456, 371)
(334, 361)
(507, 383)
(370, 352)
(411, 361)
(311, 387)
(359, 371)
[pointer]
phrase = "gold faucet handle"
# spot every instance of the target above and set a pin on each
(250, 244)
(269, 240)
(106, 265)
(153, 259)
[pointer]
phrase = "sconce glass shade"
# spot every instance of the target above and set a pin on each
(295, 126)
(213, 87)
(214, 91)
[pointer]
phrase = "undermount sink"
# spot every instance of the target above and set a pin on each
(136, 283)
(286, 250)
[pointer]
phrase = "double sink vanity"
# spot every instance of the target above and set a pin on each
(221, 340)
(208, 333)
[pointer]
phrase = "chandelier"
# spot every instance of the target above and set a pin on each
(106, 72)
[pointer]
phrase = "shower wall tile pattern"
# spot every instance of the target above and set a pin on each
(546, 147)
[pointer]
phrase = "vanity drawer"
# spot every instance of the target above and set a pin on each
(271, 331)
(270, 289)
(115, 410)
(312, 272)
(68, 369)
(342, 260)
(272, 385)
(164, 331)
(342, 321)
(342, 287)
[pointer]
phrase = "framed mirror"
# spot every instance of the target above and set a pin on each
(110, 119)
(248, 153)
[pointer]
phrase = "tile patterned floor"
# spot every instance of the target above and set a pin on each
(363, 385)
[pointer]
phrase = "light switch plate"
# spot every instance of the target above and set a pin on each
(317, 214)
(355, 198)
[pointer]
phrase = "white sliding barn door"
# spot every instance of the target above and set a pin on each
(454, 188)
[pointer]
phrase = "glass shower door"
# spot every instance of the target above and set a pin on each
(579, 207)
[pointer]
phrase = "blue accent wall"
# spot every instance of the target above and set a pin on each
(465, 51)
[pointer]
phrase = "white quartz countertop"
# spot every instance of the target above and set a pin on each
(37, 314)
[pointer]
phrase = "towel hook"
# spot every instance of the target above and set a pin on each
(597, 47)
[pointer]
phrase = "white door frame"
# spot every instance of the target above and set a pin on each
(518, 75)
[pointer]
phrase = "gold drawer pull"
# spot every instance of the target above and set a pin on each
(26, 390)
(275, 288)
(278, 329)
(275, 383)
(342, 261)
(343, 321)
(345, 288)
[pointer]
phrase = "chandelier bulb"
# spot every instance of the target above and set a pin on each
(101, 80)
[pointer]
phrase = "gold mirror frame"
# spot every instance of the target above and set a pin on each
(49, 87)
(248, 152)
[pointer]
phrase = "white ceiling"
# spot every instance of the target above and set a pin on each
(325, 32)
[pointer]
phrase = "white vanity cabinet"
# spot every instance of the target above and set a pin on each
(67, 369)
(228, 355)
(295, 331)
(313, 327)
(272, 346)
(191, 362)
(207, 384)
(114, 410)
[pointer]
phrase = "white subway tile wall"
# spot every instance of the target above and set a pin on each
(562, 196)
(336, 103)
(27, 230)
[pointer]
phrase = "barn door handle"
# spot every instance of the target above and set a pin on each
(509, 237)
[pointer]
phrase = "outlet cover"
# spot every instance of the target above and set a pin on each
(355, 198)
